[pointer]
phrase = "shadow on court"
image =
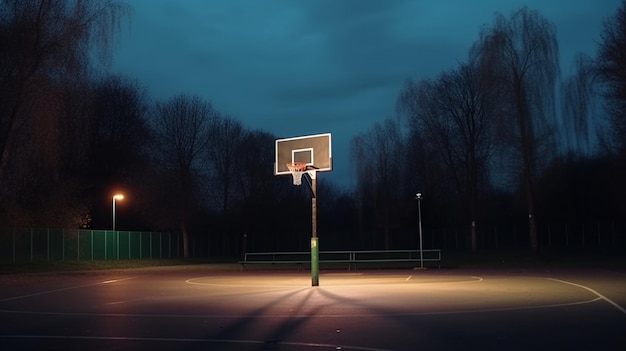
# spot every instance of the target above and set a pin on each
(197, 309)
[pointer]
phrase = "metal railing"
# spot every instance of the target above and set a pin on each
(351, 257)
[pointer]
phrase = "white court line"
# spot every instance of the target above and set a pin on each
(196, 340)
(593, 291)
(62, 289)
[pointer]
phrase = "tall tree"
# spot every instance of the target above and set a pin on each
(260, 189)
(224, 155)
(577, 101)
(120, 127)
(44, 43)
(611, 70)
(378, 156)
(45, 57)
(119, 135)
(181, 127)
(523, 55)
(456, 113)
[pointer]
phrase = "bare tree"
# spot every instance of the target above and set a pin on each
(611, 70)
(260, 189)
(43, 44)
(45, 57)
(256, 157)
(119, 135)
(224, 156)
(119, 130)
(456, 114)
(378, 156)
(181, 127)
(577, 101)
(522, 53)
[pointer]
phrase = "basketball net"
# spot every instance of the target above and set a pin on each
(296, 169)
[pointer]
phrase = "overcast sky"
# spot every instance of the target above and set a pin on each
(300, 67)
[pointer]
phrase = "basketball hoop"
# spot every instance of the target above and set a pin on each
(296, 169)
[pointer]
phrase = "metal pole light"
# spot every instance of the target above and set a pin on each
(418, 197)
(116, 197)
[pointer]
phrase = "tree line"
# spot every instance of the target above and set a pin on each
(502, 138)
(487, 142)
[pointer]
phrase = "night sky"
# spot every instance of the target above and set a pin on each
(299, 67)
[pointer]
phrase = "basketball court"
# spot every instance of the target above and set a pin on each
(209, 307)
(201, 307)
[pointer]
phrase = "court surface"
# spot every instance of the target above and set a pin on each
(196, 308)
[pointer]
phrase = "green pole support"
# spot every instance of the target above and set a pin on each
(315, 263)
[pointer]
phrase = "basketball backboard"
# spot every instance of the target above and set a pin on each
(314, 150)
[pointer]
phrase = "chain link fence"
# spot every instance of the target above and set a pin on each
(50, 244)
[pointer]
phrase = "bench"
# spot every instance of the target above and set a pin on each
(351, 258)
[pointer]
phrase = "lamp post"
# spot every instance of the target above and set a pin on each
(418, 197)
(116, 197)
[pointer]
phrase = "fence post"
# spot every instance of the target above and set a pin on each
(48, 244)
(150, 245)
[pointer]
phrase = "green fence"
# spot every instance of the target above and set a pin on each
(40, 245)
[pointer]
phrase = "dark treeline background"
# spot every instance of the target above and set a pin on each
(507, 152)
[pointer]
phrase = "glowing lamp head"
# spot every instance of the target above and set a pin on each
(118, 197)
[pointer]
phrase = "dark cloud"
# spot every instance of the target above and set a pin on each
(312, 66)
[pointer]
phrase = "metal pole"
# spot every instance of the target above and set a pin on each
(113, 213)
(116, 197)
(314, 239)
(418, 196)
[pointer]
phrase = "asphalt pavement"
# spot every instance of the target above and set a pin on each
(195, 308)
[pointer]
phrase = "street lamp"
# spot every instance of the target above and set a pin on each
(418, 197)
(116, 197)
